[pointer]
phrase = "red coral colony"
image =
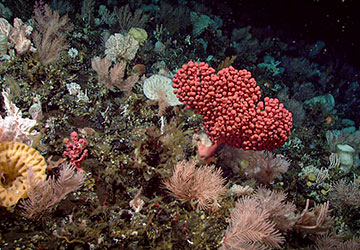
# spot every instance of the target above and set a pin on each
(229, 104)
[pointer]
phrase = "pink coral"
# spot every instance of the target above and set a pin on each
(18, 35)
(229, 104)
(75, 150)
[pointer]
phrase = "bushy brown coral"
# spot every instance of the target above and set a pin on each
(114, 76)
(316, 220)
(264, 166)
(250, 228)
(49, 34)
(335, 242)
(280, 211)
(202, 187)
(43, 194)
(346, 193)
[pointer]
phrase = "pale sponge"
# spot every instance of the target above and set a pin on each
(15, 160)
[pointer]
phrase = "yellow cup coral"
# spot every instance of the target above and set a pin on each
(15, 160)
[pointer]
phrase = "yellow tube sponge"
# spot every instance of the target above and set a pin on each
(15, 160)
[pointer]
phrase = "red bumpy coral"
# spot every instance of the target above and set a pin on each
(229, 104)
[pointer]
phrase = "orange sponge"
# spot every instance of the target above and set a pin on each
(15, 160)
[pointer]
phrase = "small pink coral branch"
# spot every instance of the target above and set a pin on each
(75, 150)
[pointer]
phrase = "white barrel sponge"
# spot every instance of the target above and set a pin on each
(156, 83)
(346, 156)
(121, 46)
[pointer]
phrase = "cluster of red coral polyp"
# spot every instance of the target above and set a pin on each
(229, 104)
